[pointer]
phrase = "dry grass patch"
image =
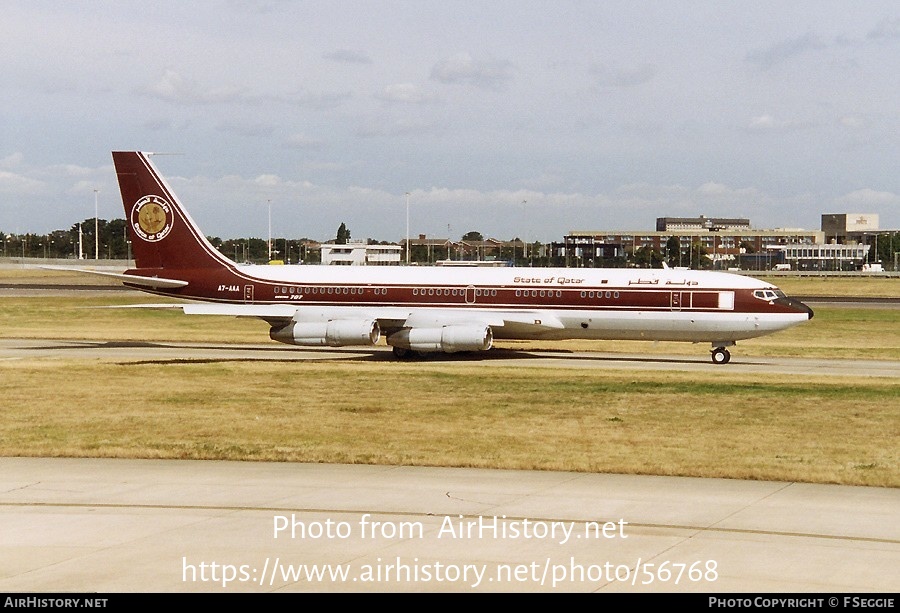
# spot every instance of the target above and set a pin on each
(870, 286)
(821, 430)
(30, 275)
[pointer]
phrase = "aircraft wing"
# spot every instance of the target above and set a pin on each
(387, 317)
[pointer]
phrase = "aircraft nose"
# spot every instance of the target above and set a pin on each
(797, 306)
(805, 307)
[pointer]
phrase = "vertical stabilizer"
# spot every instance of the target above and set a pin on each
(163, 235)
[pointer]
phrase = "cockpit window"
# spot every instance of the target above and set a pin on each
(768, 294)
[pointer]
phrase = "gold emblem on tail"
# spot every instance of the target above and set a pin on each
(151, 218)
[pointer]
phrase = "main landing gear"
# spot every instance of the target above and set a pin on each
(402, 353)
(720, 355)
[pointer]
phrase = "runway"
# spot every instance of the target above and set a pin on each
(106, 526)
(123, 351)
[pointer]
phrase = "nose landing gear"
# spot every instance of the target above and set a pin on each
(720, 355)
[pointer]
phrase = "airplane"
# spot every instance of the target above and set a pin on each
(421, 310)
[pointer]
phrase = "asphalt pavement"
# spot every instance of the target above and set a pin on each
(171, 526)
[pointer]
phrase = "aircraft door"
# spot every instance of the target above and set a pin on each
(470, 294)
(676, 301)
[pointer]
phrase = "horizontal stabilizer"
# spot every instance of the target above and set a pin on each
(152, 282)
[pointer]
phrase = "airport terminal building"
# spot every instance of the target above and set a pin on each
(844, 242)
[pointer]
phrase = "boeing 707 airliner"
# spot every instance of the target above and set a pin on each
(419, 309)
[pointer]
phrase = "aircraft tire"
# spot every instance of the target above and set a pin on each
(720, 355)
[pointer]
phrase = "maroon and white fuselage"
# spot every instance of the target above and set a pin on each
(428, 309)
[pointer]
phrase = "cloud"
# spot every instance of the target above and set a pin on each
(712, 198)
(83, 186)
(631, 76)
(768, 123)
(763, 122)
(12, 183)
(267, 181)
(887, 29)
(462, 68)
(157, 124)
(713, 189)
(766, 58)
(299, 141)
(396, 127)
(852, 121)
(348, 56)
(73, 170)
(407, 93)
(868, 197)
(242, 129)
(11, 161)
(320, 101)
(784, 50)
(172, 87)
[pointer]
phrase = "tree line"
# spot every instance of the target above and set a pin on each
(108, 239)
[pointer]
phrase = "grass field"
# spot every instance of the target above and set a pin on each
(814, 429)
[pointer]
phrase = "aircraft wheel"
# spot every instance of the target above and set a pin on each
(401, 352)
(720, 355)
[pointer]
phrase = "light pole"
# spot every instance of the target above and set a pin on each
(270, 229)
(96, 226)
(407, 228)
(524, 243)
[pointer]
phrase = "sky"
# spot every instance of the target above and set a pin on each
(516, 119)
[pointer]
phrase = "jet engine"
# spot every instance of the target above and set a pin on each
(334, 333)
(448, 339)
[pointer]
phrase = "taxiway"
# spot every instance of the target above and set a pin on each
(12, 349)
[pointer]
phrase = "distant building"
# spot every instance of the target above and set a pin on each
(736, 248)
(358, 253)
(436, 250)
(472, 263)
(672, 224)
(431, 249)
(843, 225)
(862, 229)
(830, 256)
